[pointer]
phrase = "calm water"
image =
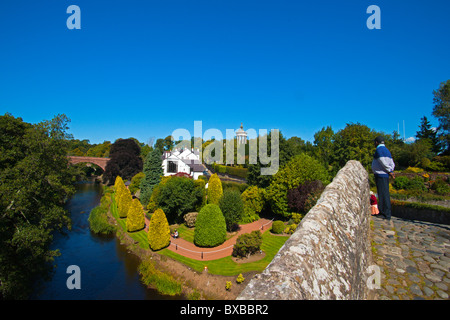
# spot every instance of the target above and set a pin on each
(107, 270)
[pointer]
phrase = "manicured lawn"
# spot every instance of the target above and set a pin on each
(224, 266)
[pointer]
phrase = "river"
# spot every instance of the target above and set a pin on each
(107, 270)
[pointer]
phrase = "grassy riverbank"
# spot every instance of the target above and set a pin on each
(189, 271)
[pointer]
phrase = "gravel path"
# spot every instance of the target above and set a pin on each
(414, 259)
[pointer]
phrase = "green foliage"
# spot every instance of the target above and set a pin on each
(178, 196)
(297, 217)
(124, 202)
(400, 183)
(232, 208)
(215, 190)
(234, 185)
(300, 169)
(233, 171)
(290, 229)
(240, 278)
(152, 175)
(413, 170)
(135, 217)
(247, 244)
(323, 141)
(404, 183)
(210, 227)
(163, 282)
(98, 218)
(35, 182)
(417, 184)
(228, 285)
(158, 231)
(136, 182)
(253, 200)
(441, 187)
(277, 227)
(441, 111)
(354, 142)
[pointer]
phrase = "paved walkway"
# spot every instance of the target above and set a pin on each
(190, 250)
(414, 258)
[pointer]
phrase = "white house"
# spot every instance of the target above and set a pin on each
(184, 160)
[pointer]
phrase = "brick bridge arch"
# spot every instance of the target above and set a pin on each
(101, 162)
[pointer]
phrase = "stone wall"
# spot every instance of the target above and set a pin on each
(328, 255)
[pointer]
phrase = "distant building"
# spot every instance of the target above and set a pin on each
(241, 135)
(182, 161)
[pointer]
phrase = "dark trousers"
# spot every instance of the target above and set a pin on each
(384, 198)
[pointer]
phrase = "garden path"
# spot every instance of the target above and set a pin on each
(190, 250)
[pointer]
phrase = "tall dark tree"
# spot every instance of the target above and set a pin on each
(153, 172)
(427, 133)
(35, 180)
(125, 161)
(441, 111)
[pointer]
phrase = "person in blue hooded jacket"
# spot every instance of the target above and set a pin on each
(383, 167)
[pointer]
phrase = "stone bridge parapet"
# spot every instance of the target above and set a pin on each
(329, 254)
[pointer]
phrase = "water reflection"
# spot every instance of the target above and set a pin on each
(108, 271)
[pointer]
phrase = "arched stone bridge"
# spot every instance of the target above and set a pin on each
(101, 162)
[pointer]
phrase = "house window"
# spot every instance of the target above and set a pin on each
(172, 168)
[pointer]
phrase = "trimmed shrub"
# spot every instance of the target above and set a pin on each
(158, 231)
(278, 227)
(135, 217)
(232, 208)
(190, 219)
(210, 228)
(247, 244)
(124, 202)
(215, 190)
(238, 172)
(253, 199)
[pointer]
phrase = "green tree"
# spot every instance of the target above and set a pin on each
(210, 227)
(215, 190)
(301, 168)
(35, 181)
(153, 172)
(158, 231)
(178, 196)
(232, 208)
(323, 143)
(253, 200)
(427, 133)
(354, 142)
(135, 217)
(124, 202)
(441, 111)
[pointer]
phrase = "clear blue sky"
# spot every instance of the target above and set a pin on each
(144, 68)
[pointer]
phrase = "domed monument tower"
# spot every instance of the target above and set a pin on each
(241, 135)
